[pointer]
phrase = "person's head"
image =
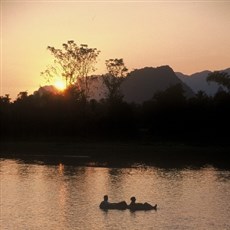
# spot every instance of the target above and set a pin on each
(106, 197)
(133, 199)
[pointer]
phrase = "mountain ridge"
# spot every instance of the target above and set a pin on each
(197, 81)
(141, 84)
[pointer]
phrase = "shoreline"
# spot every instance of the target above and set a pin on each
(117, 152)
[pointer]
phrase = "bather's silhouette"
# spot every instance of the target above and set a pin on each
(105, 204)
(133, 206)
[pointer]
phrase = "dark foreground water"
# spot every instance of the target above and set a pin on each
(59, 196)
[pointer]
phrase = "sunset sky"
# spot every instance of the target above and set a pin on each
(189, 36)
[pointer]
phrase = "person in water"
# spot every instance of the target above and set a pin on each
(140, 206)
(105, 204)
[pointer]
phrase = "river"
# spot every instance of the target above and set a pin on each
(38, 195)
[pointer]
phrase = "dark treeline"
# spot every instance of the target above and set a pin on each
(169, 115)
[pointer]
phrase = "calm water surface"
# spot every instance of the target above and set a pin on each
(40, 196)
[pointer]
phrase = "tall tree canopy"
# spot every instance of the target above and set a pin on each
(74, 63)
(222, 78)
(116, 72)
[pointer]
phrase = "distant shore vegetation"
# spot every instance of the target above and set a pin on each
(72, 113)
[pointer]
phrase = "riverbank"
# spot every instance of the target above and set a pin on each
(119, 151)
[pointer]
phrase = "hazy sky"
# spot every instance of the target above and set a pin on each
(190, 36)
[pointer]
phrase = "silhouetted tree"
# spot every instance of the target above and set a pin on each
(112, 80)
(171, 97)
(222, 78)
(165, 114)
(73, 63)
(5, 115)
(22, 96)
(201, 95)
(201, 99)
(5, 99)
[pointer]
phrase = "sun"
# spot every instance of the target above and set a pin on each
(60, 85)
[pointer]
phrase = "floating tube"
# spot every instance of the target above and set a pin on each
(120, 206)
